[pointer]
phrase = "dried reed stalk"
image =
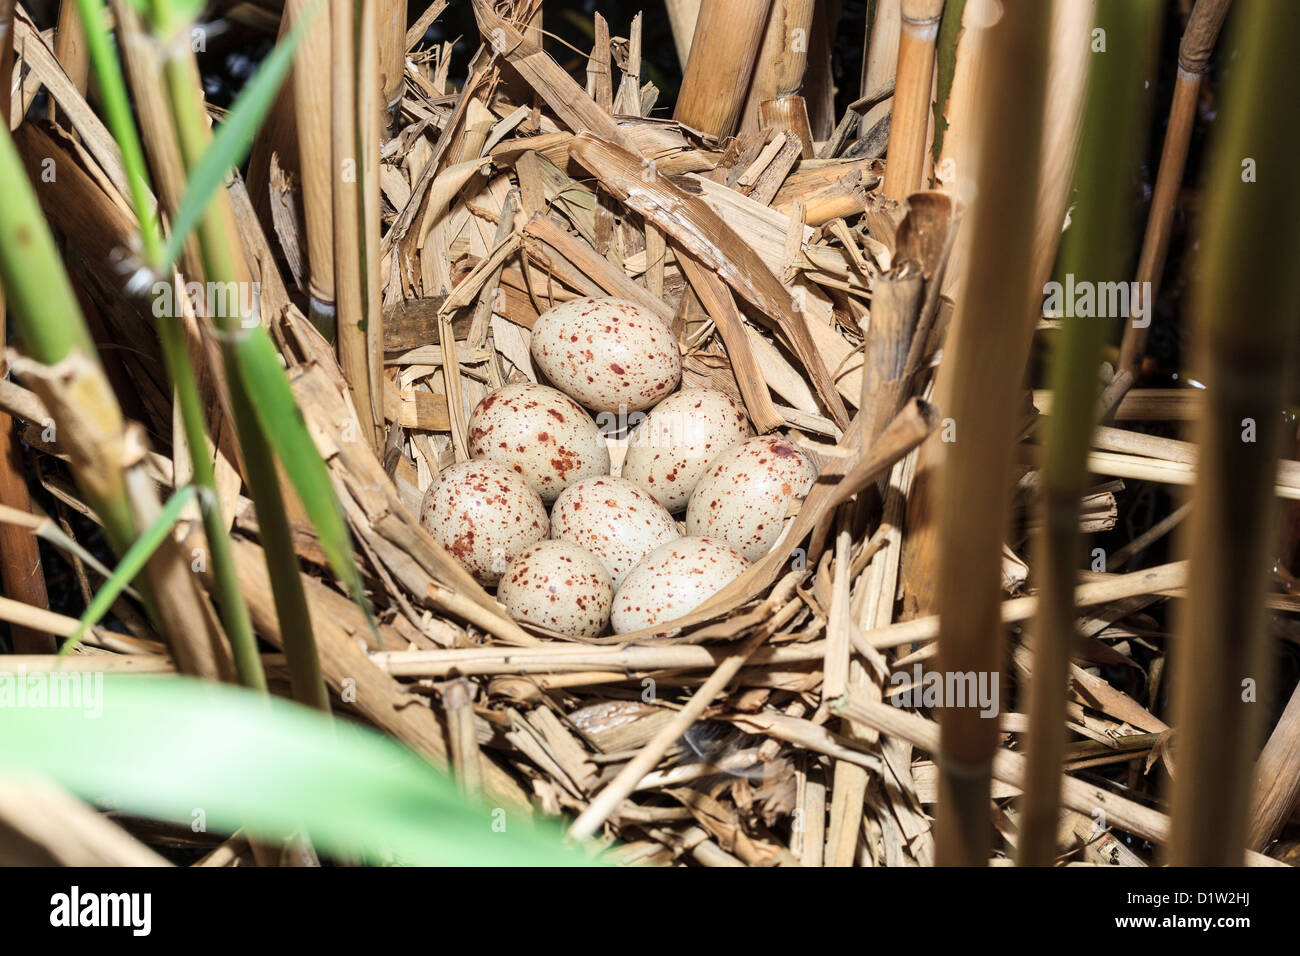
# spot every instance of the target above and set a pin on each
(1009, 767)
(1249, 248)
(351, 294)
(905, 160)
(1276, 789)
(312, 113)
(369, 111)
(724, 48)
(880, 64)
(41, 824)
(70, 46)
(390, 21)
(1068, 53)
(1199, 37)
(992, 327)
(957, 67)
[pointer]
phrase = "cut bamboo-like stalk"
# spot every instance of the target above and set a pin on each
(727, 38)
(992, 327)
(311, 99)
(1198, 41)
(1095, 251)
(1246, 306)
(905, 160)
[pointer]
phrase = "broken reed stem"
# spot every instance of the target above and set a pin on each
(1246, 307)
(390, 24)
(895, 308)
(223, 262)
(21, 573)
(351, 295)
(1198, 41)
(774, 99)
(171, 335)
(311, 102)
(1095, 250)
(992, 328)
(728, 34)
(905, 160)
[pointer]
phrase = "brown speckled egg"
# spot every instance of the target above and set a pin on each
(607, 353)
(672, 580)
(745, 494)
(613, 519)
(483, 514)
(540, 433)
(559, 586)
(671, 449)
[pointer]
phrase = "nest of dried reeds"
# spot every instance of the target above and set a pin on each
(798, 275)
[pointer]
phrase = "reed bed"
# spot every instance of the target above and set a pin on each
(241, 483)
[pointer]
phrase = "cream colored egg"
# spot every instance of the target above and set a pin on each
(484, 515)
(744, 496)
(614, 519)
(609, 354)
(540, 433)
(558, 586)
(670, 450)
(672, 580)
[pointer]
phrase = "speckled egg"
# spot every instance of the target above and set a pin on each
(559, 586)
(671, 449)
(745, 494)
(672, 580)
(540, 433)
(484, 515)
(607, 353)
(613, 519)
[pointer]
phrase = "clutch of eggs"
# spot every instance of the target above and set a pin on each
(610, 551)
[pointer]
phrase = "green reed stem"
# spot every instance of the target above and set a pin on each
(219, 249)
(121, 122)
(1096, 250)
